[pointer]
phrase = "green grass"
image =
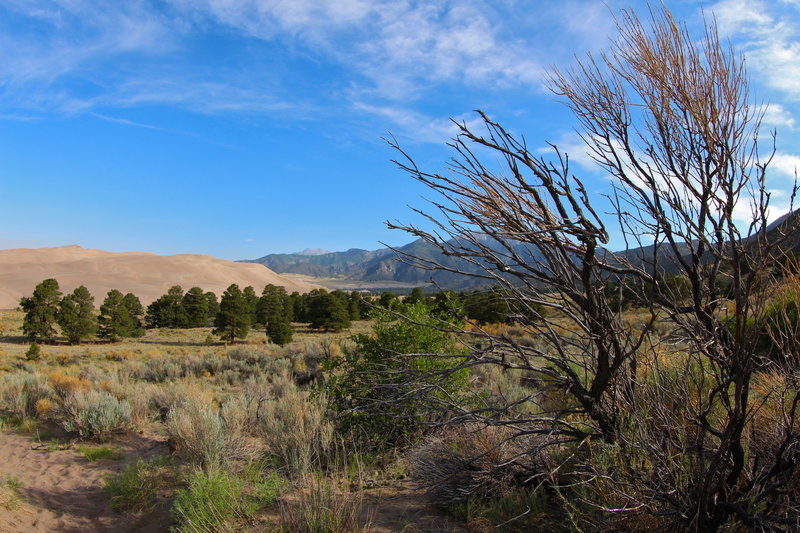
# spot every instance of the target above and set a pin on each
(17, 423)
(137, 486)
(325, 508)
(212, 501)
(516, 512)
(54, 444)
(265, 483)
(10, 495)
(100, 452)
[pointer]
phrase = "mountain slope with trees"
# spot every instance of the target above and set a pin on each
(382, 265)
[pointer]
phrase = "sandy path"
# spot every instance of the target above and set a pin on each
(63, 491)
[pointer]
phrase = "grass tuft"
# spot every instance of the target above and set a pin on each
(100, 452)
(10, 494)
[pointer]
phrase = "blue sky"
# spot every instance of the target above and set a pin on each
(238, 128)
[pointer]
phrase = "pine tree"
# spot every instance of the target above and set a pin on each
(328, 311)
(233, 319)
(76, 315)
(417, 295)
(299, 306)
(213, 305)
(195, 308)
(389, 300)
(120, 316)
(280, 332)
(251, 304)
(41, 311)
(354, 305)
(136, 312)
(275, 313)
(167, 311)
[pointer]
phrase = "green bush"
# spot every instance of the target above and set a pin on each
(296, 431)
(324, 509)
(265, 484)
(94, 414)
(136, 487)
(34, 352)
(781, 329)
(387, 384)
(206, 437)
(198, 433)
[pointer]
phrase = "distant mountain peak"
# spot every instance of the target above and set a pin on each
(312, 251)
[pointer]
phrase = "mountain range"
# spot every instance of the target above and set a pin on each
(381, 268)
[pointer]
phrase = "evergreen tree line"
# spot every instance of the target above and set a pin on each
(232, 317)
(120, 315)
(485, 306)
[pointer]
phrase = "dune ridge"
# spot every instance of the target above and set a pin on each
(147, 275)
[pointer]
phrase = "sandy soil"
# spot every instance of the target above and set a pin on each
(62, 491)
(404, 509)
(146, 275)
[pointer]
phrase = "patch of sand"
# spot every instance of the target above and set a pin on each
(146, 275)
(62, 491)
(404, 509)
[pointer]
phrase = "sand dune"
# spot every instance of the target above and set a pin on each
(146, 275)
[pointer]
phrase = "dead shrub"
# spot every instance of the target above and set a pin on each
(43, 407)
(20, 391)
(477, 460)
(64, 384)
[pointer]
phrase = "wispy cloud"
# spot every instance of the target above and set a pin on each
(418, 126)
(398, 46)
(395, 48)
(68, 36)
(768, 33)
(124, 121)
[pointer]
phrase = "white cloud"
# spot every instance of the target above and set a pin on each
(777, 115)
(396, 43)
(769, 38)
(735, 16)
(743, 210)
(785, 164)
(571, 144)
